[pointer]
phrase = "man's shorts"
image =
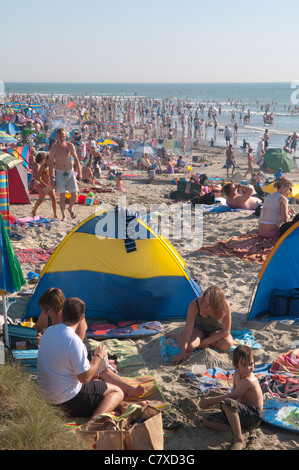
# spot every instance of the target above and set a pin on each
(250, 417)
(66, 181)
(87, 400)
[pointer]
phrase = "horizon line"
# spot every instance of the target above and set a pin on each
(148, 83)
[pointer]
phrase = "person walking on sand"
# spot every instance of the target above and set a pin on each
(250, 163)
(266, 139)
(60, 158)
(44, 187)
(230, 160)
(241, 409)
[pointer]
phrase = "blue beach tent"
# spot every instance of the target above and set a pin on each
(278, 278)
(121, 268)
(10, 128)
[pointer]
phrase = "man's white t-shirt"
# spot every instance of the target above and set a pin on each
(61, 357)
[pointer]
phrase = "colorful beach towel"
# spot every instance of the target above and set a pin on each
(123, 329)
(249, 247)
(280, 385)
(36, 221)
(288, 362)
(33, 256)
(213, 379)
(129, 361)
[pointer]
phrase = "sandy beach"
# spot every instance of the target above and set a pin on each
(235, 276)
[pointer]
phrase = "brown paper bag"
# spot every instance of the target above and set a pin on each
(110, 439)
(140, 430)
(144, 430)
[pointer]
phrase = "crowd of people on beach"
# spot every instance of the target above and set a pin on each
(71, 375)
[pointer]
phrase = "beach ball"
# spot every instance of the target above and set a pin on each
(90, 194)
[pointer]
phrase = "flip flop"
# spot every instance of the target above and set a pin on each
(73, 215)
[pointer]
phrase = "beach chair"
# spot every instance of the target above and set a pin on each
(22, 343)
(21, 337)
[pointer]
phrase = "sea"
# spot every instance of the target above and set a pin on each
(281, 99)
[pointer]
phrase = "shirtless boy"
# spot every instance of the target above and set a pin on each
(60, 158)
(242, 407)
(243, 200)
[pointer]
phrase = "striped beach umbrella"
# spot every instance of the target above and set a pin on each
(8, 161)
(7, 138)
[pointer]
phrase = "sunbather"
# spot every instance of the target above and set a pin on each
(240, 197)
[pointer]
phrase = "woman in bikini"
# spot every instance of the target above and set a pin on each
(44, 187)
(275, 210)
(207, 325)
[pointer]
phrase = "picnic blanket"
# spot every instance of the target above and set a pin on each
(169, 346)
(248, 247)
(33, 256)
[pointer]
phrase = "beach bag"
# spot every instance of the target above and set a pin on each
(208, 199)
(140, 430)
(284, 303)
(284, 227)
(21, 337)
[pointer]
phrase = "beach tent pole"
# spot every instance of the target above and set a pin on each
(4, 309)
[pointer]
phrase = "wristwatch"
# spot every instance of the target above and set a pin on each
(99, 356)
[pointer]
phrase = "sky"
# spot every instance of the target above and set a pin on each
(149, 41)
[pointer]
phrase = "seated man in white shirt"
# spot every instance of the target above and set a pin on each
(64, 372)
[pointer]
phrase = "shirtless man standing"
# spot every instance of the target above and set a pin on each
(235, 200)
(60, 157)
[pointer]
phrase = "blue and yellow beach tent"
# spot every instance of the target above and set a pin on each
(279, 271)
(121, 268)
